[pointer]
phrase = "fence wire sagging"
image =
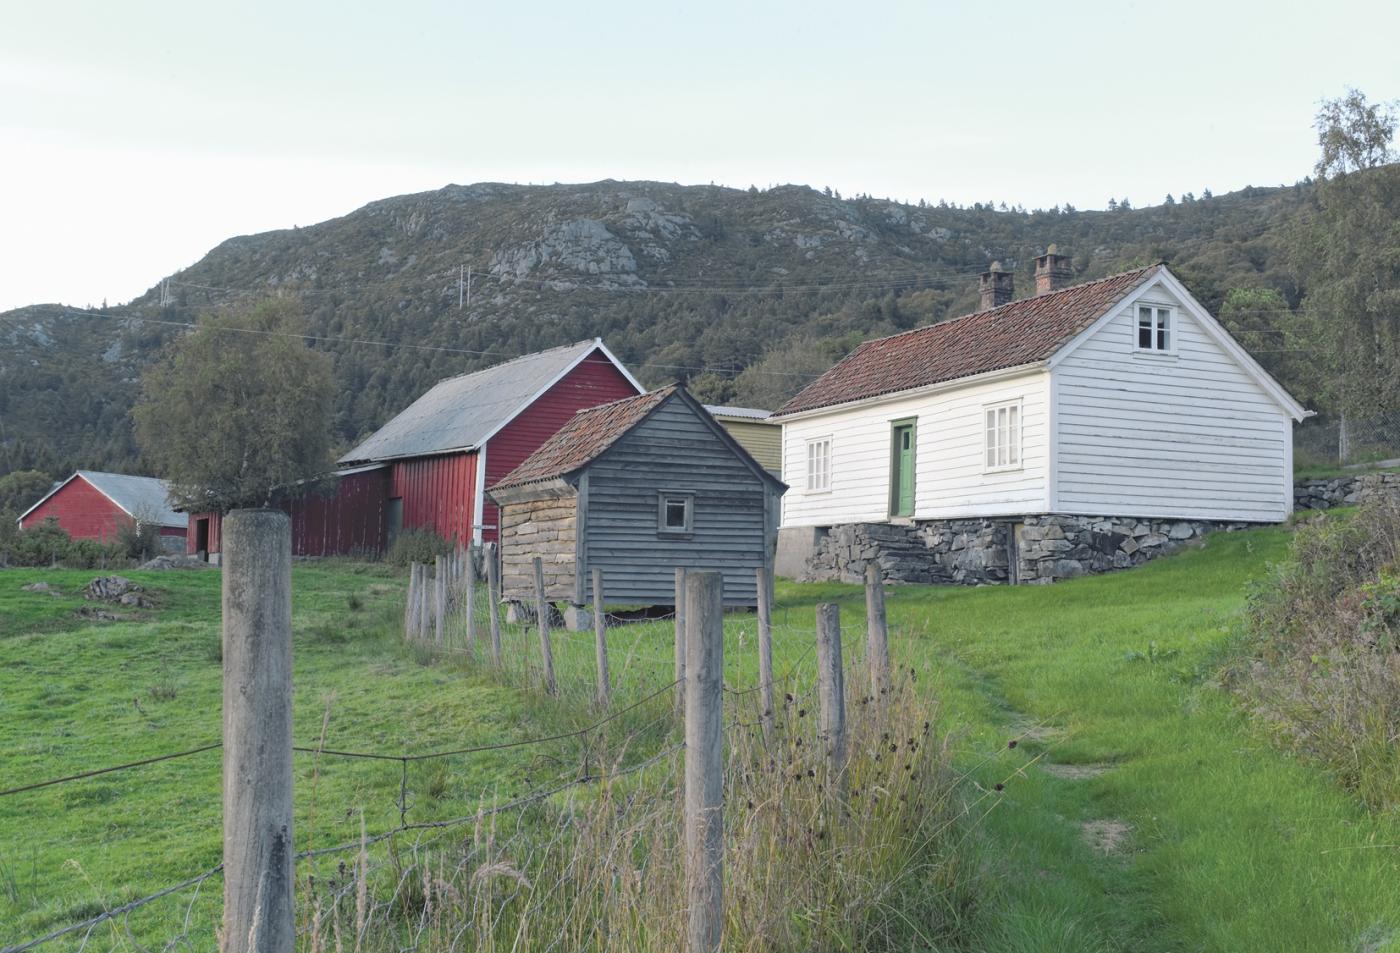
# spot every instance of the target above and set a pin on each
(420, 841)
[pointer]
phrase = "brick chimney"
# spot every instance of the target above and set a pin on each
(1052, 271)
(997, 286)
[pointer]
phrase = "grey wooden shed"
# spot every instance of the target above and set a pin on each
(637, 488)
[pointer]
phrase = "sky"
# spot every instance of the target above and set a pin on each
(137, 135)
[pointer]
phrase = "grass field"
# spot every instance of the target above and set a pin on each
(1219, 842)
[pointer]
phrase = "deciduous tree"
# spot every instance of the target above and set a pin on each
(238, 414)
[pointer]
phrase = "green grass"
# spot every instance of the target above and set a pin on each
(1234, 846)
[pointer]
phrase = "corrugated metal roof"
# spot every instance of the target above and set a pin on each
(461, 412)
(1022, 332)
(144, 498)
(584, 438)
(748, 413)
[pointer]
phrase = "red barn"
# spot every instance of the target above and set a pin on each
(428, 467)
(93, 505)
(467, 432)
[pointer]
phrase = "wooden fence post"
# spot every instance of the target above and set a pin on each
(765, 654)
(680, 641)
(493, 601)
(600, 640)
(704, 761)
(257, 732)
(468, 591)
(425, 603)
(439, 599)
(542, 614)
(831, 688)
(877, 637)
(408, 601)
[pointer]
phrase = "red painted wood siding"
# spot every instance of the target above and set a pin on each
(192, 534)
(346, 523)
(349, 522)
(438, 493)
(596, 380)
(82, 512)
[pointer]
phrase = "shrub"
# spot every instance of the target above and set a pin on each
(47, 545)
(139, 541)
(1323, 666)
(416, 546)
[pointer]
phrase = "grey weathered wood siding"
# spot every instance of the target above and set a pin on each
(674, 450)
(540, 527)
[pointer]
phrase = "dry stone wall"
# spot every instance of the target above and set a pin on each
(1343, 491)
(1036, 549)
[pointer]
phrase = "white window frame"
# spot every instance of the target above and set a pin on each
(1003, 436)
(819, 478)
(686, 497)
(1163, 323)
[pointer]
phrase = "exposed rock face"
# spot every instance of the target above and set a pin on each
(583, 245)
(1038, 549)
(1343, 491)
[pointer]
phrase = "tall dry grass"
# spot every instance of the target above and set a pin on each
(1323, 661)
(872, 858)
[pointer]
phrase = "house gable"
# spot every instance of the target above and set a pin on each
(1166, 287)
(1193, 431)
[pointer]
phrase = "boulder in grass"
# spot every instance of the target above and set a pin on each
(112, 589)
(42, 587)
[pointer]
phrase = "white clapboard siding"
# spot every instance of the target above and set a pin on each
(1187, 435)
(950, 479)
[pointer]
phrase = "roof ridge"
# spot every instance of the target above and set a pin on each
(1042, 297)
(947, 350)
(519, 357)
(134, 476)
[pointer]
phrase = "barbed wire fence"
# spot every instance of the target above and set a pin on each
(455, 610)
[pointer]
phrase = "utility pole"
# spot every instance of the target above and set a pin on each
(464, 285)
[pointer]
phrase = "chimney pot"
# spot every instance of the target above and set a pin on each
(997, 286)
(1052, 271)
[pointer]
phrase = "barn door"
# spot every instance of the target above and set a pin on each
(393, 519)
(902, 469)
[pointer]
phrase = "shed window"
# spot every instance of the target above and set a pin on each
(1154, 328)
(675, 513)
(1003, 436)
(819, 464)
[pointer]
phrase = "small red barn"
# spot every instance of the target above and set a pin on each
(346, 519)
(94, 505)
(428, 467)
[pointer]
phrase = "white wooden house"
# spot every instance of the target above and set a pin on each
(1120, 404)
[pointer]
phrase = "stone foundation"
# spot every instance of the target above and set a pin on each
(1035, 549)
(1343, 491)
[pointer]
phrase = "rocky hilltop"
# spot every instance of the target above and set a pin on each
(691, 282)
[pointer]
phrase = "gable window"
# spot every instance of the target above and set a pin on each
(819, 465)
(1154, 328)
(675, 513)
(1003, 429)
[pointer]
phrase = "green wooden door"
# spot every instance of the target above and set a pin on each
(902, 479)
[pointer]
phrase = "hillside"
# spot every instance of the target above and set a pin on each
(692, 282)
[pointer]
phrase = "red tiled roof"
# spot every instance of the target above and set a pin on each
(1022, 332)
(584, 438)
